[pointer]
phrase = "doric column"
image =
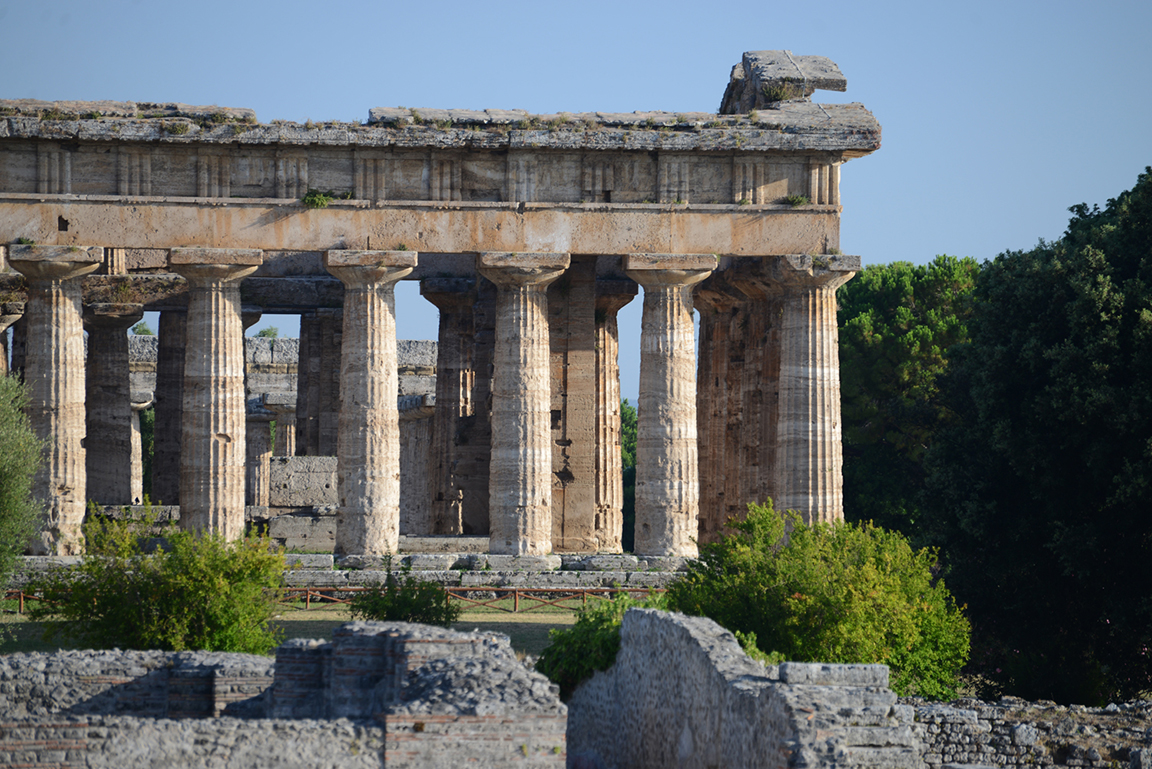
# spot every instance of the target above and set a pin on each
(331, 360)
(258, 447)
(474, 436)
(212, 476)
(169, 399)
(809, 452)
(520, 482)
(108, 401)
(54, 374)
(611, 296)
(19, 346)
(454, 297)
(310, 325)
(667, 481)
(302, 385)
(572, 355)
(141, 401)
(368, 443)
(283, 405)
(10, 312)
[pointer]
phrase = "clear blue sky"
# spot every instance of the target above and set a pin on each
(997, 116)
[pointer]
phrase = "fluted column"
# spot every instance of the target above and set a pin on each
(212, 472)
(140, 402)
(520, 482)
(611, 296)
(454, 297)
(667, 480)
(258, 446)
(331, 360)
(809, 449)
(54, 374)
(169, 399)
(368, 438)
(108, 399)
(284, 407)
(304, 384)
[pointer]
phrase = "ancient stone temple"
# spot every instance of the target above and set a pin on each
(528, 232)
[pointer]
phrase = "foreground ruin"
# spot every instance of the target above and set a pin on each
(681, 693)
(528, 232)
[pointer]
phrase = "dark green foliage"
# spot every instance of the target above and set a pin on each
(842, 593)
(317, 199)
(142, 329)
(591, 644)
(1043, 486)
(628, 461)
(20, 455)
(404, 598)
(203, 592)
(268, 332)
(897, 323)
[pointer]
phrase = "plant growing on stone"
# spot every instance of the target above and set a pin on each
(841, 592)
(796, 200)
(404, 598)
(591, 644)
(199, 592)
(20, 455)
(317, 199)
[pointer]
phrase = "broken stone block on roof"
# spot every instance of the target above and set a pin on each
(765, 78)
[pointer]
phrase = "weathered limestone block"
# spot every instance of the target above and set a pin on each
(611, 296)
(768, 78)
(520, 496)
(108, 403)
(258, 442)
(212, 474)
(454, 298)
(667, 481)
(302, 482)
(54, 374)
(368, 450)
(283, 405)
(416, 414)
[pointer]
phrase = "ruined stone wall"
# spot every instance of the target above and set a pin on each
(682, 693)
(1016, 733)
(379, 693)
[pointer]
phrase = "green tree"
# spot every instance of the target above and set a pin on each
(147, 448)
(628, 461)
(1041, 487)
(897, 323)
(20, 456)
(843, 593)
(142, 329)
(268, 332)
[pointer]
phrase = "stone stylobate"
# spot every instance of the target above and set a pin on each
(212, 472)
(368, 444)
(54, 374)
(520, 484)
(667, 473)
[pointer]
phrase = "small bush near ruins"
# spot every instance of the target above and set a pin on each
(202, 592)
(20, 452)
(591, 644)
(845, 593)
(404, 598)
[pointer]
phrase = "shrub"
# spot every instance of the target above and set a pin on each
(404, 598)
(20, 455)
(591, 644)
(201, 592)
(843, 593)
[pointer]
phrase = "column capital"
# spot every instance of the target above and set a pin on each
(54, 262)
(514, 270)
(612, 295)
(280, 403)
(112, 316)
(791, 272)
(449, 293)
(360, 269)
(204, 266)
(655, 270)
(10, 312)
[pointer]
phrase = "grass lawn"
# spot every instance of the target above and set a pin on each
(528, 630)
